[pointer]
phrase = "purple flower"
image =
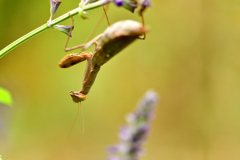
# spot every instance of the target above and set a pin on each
(118, 2)
(64, 29)
(133, 135)
(145, 3)
(54, 6)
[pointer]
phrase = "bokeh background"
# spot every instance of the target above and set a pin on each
(190, 57)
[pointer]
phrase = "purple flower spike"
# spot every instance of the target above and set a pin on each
(145, 3)
(118, 3)
(54, 6)
(135, 133)
(64, 29)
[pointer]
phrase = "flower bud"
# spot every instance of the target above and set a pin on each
(54, 6)
(130, 5)
(64, 29)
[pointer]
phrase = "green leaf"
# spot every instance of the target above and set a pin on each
(5, 97)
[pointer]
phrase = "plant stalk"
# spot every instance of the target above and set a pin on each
(42, 28)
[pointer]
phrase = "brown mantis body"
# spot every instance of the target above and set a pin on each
(113, 40)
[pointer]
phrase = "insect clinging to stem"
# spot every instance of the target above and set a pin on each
(115, 38)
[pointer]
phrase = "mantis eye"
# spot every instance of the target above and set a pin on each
(77, 97)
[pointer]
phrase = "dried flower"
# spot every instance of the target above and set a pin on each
(64, 29)
(54, 6)
(133, 135)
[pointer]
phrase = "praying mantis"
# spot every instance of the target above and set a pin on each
(114, 39)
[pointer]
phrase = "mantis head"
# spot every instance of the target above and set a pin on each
(77, 97)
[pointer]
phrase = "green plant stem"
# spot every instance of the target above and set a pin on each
(42, 28)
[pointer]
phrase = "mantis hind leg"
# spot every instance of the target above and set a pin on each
(105, 12)
(85, 45)
(75, 47)
(99, 22)
(65, 48)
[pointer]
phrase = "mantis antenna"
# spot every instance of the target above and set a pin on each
(70, 131)
(83, 129)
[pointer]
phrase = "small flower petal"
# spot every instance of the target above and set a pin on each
(54, 6)
(64, 29)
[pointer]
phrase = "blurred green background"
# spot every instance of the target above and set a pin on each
(190, 57)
